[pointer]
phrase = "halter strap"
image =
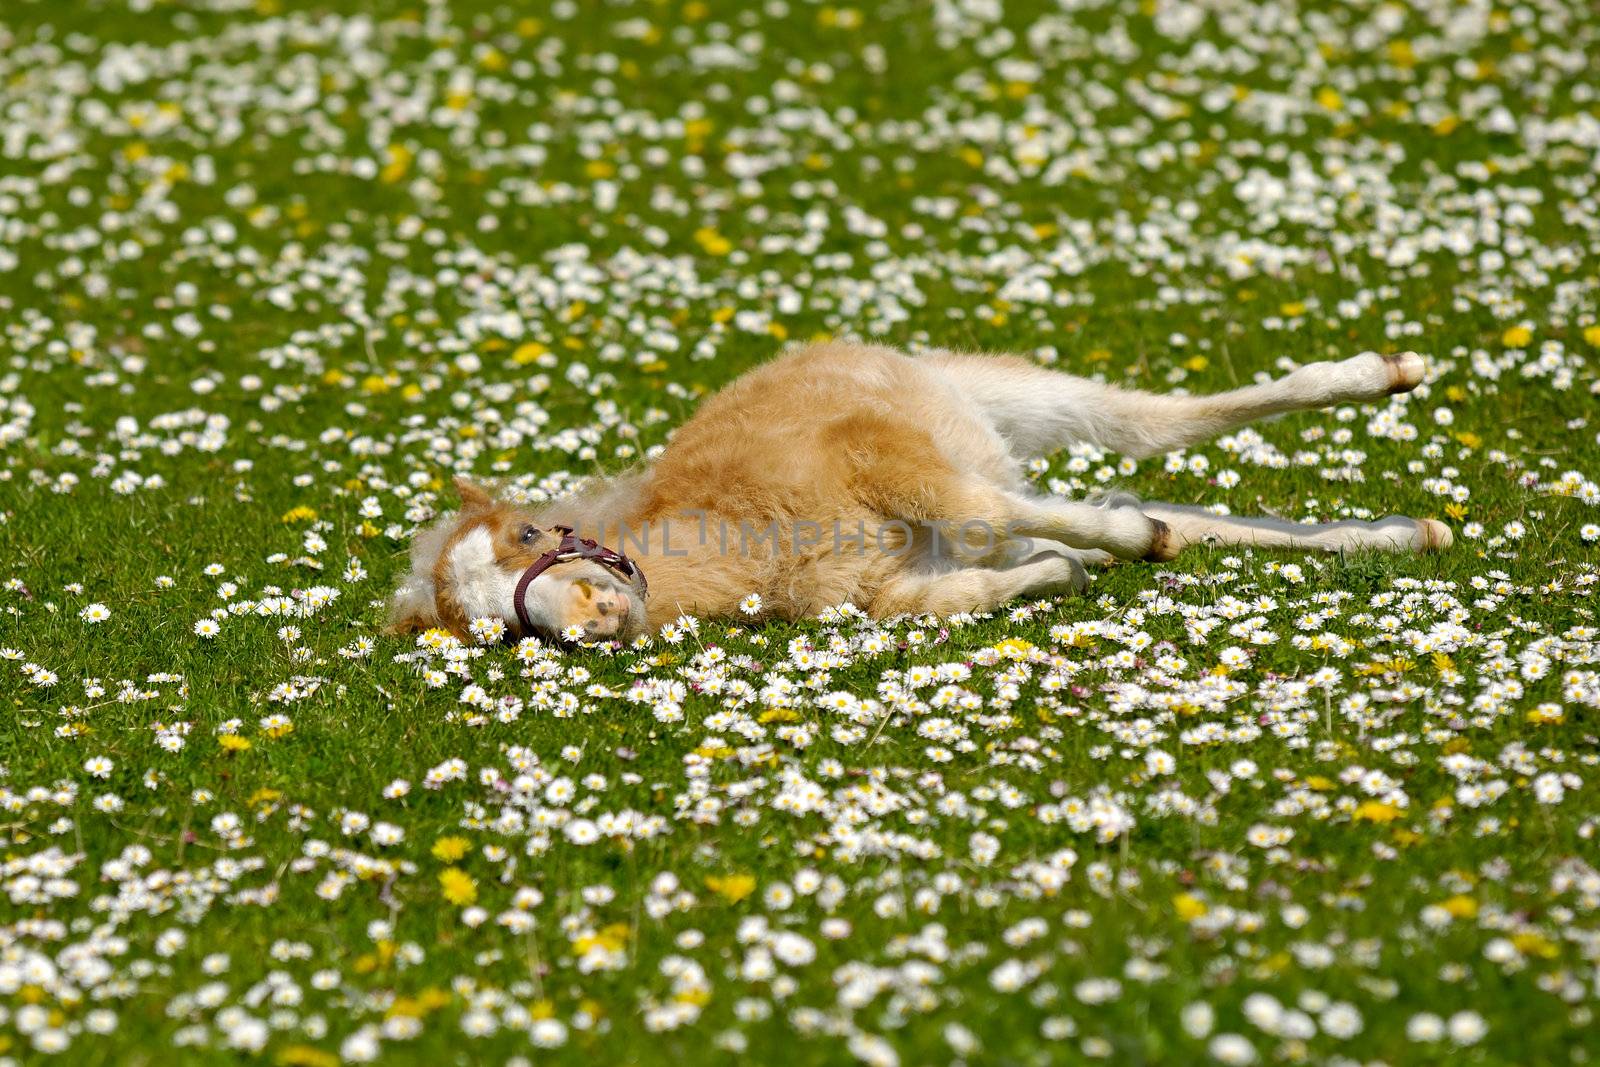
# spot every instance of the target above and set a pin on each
(573, 547)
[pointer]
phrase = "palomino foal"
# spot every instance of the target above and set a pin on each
(844, 472)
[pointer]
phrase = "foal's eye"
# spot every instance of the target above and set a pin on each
(528, 534)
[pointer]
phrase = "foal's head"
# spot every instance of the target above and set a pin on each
(468, 566)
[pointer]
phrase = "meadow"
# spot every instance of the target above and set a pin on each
(273, 272)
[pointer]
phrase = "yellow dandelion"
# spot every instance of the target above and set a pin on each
(712, 242)
(306, 1056)
(732, 888)
(1376, 811)
(450, 849)
(1189, 907)
(459, 887)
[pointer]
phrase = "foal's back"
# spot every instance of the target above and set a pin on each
(838, 439)
(810, 434)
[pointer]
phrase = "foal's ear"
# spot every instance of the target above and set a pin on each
(412, 608)
(410, 624)
(472, 494)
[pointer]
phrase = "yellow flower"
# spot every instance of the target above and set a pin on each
(1014, 648)
(300, 514)
(1592, 335)
(1329, 98)
(1189, 907)
(381, 958)
(612, 939)
(713, 242)
(1376, 811)
(1516, 337)
(1274, 964)
(234, 743)
(450, 849)
(424, 1003)
(1461, 906)
(1535, 944)
(306, 1056)
(399, 162)
(733, 888)
(458, 886)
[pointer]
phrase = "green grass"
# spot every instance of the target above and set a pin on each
(401, 234)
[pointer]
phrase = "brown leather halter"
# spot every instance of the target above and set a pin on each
(573, 547)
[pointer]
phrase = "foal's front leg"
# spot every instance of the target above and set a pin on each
(1127, 533)
(969, 589)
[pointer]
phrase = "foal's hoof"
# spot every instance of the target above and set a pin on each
(1164, 546)
(1405, 370)
(1433, 536)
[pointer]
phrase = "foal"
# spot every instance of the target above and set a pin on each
(846, 472)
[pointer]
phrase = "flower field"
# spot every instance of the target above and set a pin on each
(272, 272)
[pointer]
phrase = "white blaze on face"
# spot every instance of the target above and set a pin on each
(544, 599)
(482, 588)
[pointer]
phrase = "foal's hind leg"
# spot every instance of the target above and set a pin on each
(899, 473)
(1039, 411)
(1192, 525)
